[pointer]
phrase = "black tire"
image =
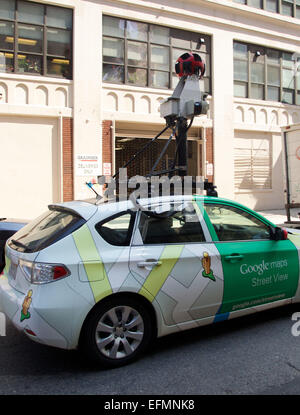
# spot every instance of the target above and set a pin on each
(120, 342)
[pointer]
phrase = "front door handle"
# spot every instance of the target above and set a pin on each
(148, 262)
(234, 257)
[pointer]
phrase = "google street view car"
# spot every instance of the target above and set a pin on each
(110, 277)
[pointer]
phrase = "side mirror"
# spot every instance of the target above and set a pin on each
(278, 234)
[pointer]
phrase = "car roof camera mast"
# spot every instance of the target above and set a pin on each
(179, 110)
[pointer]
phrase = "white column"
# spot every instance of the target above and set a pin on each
(222, 76)
(87, 88)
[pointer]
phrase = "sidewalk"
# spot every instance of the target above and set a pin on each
(278, 217)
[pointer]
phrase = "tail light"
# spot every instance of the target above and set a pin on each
(42, 273)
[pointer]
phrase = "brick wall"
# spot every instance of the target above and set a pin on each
(210, 150)
(106, 141)
(67, 132)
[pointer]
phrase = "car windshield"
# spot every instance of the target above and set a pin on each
(47, 229)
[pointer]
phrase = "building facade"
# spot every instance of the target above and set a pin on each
(82, 80)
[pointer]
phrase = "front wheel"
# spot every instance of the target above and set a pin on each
(117, 332)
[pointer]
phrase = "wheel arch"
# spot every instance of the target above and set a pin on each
(128, 294)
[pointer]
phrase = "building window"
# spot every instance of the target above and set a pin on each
(267, 74)
(286, 7)
(252, 162)
(35, 39)
(144, 55)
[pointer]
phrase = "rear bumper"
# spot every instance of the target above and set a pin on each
(23, 311)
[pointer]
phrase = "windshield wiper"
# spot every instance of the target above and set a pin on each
(17, 243)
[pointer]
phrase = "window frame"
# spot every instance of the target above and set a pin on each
(150, 43)
(267, 64)
(44, 53)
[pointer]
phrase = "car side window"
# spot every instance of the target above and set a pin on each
(171, 227)
(233, 224)
(117, 230)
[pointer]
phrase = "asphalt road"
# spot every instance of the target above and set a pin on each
(251, 355)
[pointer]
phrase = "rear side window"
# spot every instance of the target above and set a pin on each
(117, 230)
(47, 229)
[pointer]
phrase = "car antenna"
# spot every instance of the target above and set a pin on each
(90, 185)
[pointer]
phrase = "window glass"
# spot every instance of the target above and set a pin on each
(288, 96)
(288, 78)
(240, 50)
(240, 89)
(29, 64)
(58, 42)
(135, 30)
(117, 230)
(6, 62)
(271, 5)
(273, 94)
(137, 53)
(30, 38)
(257, 73)
(113, 26)
(240, 70)
(59, 17)
(159, 34)
(233, 224)
(273, 56)
(257, 91)
(255, 3)
(287, 60)
(7, 9)
(30, 13)
(6, 35)
(160, 57)
(59, 67)
(273, 75)
(137, 76)
(46, 230)
(159, 79)
(287, 8)
(113, 73)
(113, 50)
(177, 227)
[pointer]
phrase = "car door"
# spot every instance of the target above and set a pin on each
(257, 269)
(177, 264)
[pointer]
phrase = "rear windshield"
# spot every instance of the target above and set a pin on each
(47, 229)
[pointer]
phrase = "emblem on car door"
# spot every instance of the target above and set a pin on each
(207, 271)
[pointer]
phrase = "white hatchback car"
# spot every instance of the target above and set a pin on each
(112, 276)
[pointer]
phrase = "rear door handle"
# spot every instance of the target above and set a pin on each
(148, 262)
(234, 257)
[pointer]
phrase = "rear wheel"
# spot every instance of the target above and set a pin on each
(117, 332)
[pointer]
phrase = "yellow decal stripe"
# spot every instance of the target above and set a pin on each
(93, 264)
(160, 273)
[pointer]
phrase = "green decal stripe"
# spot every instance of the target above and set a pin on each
(160, 273)
(88, 252)
(210, 227)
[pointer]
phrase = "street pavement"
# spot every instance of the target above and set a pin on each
(256, 354)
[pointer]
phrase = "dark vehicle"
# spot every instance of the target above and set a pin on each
(7, 228)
